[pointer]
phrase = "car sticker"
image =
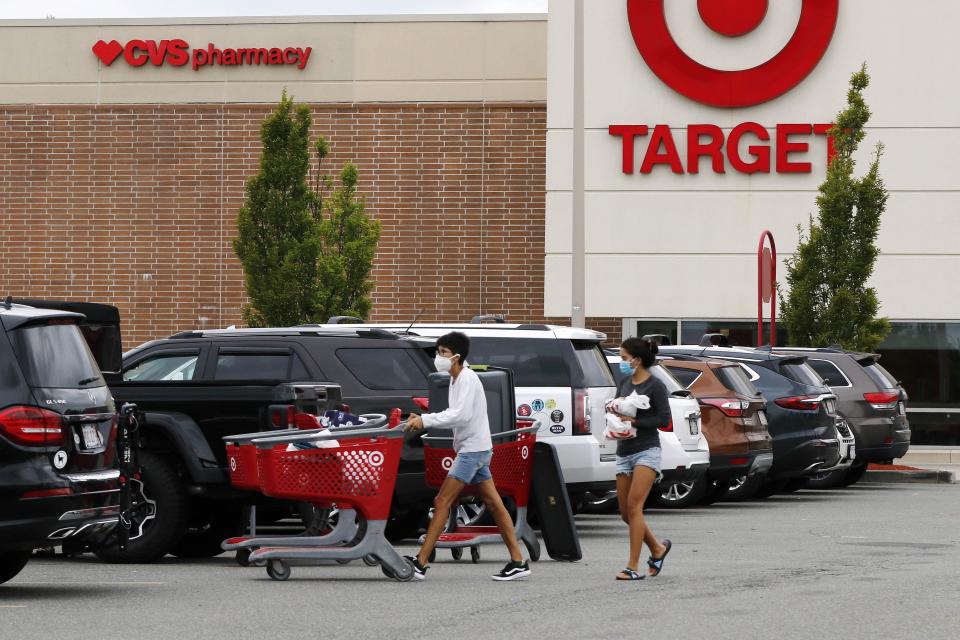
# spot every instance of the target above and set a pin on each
(557, 428)
(537, 405)
(524, 410)
(551, 404)
(556, 416)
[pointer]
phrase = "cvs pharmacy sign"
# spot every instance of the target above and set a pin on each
(177, 53)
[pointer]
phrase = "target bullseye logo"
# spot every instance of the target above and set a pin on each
(524, 452)
(732, 18)
(233, 463)
(446, 463)
(375, 458)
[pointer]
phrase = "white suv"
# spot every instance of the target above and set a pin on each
(561, 377)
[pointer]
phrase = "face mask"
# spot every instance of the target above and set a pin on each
(443, 364)
(626, 369)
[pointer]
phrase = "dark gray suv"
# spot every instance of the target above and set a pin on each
(872, 402)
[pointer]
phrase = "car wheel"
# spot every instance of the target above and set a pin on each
(681, 495)
(826, 480)
(769, 487)
(159, 515)
(854, 474)
(744, 487)
(12, 563)
(604, 502)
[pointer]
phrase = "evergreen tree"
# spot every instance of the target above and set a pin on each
(829, 301)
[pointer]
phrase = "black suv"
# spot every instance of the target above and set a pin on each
(872, 402)
(198, 386)
(58, 475)
(801, 409)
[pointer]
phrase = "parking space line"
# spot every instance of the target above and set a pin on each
(125, 584)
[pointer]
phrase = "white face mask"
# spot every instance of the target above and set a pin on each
(442, 363)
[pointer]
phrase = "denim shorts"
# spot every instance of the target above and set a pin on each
(471, 467)
(649, 458)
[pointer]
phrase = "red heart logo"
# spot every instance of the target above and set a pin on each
(107, 51)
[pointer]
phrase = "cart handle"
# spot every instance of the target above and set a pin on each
(374, 420)
(502, 434)
(268, 443)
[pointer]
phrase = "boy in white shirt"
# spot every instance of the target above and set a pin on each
(467, 416)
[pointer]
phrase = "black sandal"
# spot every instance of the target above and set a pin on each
(657, 563)
(631, 575)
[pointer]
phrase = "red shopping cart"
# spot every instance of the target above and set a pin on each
(359, 473)
(512, 470)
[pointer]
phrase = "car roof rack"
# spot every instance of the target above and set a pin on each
(661, 339)
(714, 340)
(345, 320)
(682, 356)
(489, 318)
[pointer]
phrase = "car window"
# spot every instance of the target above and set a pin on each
(669, 381)
(55, 355)
(686, 376)
(385, 369)
(171, 367)
(802, 372)
(736, 379)
(830, 373)
(881, 376)
(259, 366)
(535, 362)
(593, 364)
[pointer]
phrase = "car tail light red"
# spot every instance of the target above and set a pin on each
(669, 427)
(47, 493)
(883, 399)
(581, 413)
(732, 408)
(32, 426)
(800, 403)
(422, 403)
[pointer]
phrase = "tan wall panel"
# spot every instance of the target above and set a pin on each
(419, 51)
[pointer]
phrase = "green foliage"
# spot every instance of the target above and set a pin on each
(304, 257)
(829, 301)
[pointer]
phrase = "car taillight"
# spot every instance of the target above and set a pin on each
(581, 413)
(422, 403)
(800, 403)
(32, 426)
(883, 399)
(669, 427)
(732, 408)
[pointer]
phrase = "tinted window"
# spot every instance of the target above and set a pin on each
(667, 378)
(384, 369)
(593, 364)
(685, 376)
(56, 356)
(802, 373)
(736, 379)
(830, 373)
(258, 366)
(164, 367)
(881, 376)
(535, 362)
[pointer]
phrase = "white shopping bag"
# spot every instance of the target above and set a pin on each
(617, 429)
(630, 405)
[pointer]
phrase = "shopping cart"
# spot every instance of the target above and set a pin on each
(359, 473)
(244, 474)
(512, 470)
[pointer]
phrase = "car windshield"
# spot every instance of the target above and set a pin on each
(536, 362)
(802, 373)
(56, 356)
(736, 379)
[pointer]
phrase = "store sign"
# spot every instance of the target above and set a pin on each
(748, 148)
(177, 53)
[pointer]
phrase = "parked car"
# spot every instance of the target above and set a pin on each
(685, 452)
(562, 378)
(58, 472)
(199, 386)
(734, 421)
(871, 401)
(801, 412)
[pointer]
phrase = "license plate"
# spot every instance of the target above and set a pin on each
(852, 452)
(903, 409)
(694, 423)
(91, 437)
(763, 417)
(831, 406)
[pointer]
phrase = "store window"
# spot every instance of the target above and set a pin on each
(739, 333)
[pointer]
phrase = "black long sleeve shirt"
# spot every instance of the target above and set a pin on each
(648, 421)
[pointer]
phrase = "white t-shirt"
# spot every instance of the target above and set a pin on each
(467, 415)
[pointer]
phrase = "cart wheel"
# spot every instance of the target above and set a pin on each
(474, 555)
(387, 571)
(343, 561)
(533, 550)
(278, 570)
(370, 560)
(405, 574)
(457, 553)
(433, 556)
(243, 557)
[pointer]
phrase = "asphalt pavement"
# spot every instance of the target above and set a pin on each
(872, 561)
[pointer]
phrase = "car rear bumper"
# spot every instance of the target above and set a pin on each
(883, 453)
(808, 458)
(580, 460)
(685, 474)
(49, 521)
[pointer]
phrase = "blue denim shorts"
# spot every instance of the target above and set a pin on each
(471, 467)
(649, 458)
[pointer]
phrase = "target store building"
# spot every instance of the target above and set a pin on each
(618, 167)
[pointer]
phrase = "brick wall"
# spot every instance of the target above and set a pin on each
(136, 206)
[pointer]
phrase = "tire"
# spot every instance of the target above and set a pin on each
(680, 495)
(474, 555)
(745, 487)
(770, 487)
(12, 563)
(604, 503)
(162, 486)
(243, 557)
(206, 541)
(854, 475)
(795, 484)
(278, 570)
(716, 491)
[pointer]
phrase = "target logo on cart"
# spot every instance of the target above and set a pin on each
(732, 19)
(375, 458)
(446, 463)
(524, 452)
(233, 463)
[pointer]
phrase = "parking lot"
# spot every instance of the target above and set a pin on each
(851, 562)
